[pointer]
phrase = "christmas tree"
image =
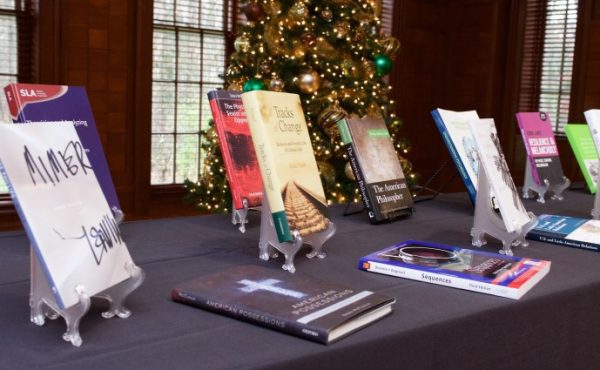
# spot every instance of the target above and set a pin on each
(332, 53)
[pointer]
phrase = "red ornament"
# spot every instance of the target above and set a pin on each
(254, 12)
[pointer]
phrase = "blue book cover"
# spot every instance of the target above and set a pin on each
(453, 127)
(567, 231)
(474, 270)
(49, 103)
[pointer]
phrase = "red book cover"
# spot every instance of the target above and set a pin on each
(241, 165)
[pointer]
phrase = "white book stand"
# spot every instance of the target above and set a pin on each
(43, 304)
(596, 209)
(269, 244)
(541, 189)
(488, 221)
(240, 216)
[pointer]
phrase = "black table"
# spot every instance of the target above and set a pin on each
(555, 325)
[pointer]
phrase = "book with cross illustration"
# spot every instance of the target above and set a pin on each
(296, 304)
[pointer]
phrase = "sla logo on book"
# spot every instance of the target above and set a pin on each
(32, 93)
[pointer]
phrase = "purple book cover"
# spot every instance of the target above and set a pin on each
(542, 151)
(46, 103)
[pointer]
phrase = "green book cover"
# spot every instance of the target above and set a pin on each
(581, 141)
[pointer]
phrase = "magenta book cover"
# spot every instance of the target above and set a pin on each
(542, 152)
(46, 103)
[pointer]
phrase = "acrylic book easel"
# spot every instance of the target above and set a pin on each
(269, 244)
(43, 304)
(488, 221)
(596, 209)
(542, 189)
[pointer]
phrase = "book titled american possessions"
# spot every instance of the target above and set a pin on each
(237, 150)
(478, 271)
(376, 167)
(296, 304)
(567, 231)
(287, 163)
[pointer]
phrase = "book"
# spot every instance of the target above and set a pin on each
(60, 203)
(592, 117)
(43, 103)
(376, 167)
(492, 162)
(237, 150)
(581, 142)
(454, 128)
(474, 270)
(287, 163)
(542, 152)
(567, 231)
(296, 304)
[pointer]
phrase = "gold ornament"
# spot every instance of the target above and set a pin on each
(276, 84)
(390, 45)
(299, 51)
(309, 82)
(327, 14)
(329, 117)
(341, 29)
(298, 11)
(327, 170)
(348, 171)
(308, 39)
(368, 68)
(348, 67)
(241, 44)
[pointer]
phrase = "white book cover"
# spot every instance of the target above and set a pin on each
(457, 124)
(63, 210)
(592, 117)
(493, 163)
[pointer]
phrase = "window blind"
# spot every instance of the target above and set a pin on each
(189, 50)
(533, 47)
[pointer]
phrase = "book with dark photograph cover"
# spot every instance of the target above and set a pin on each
(237, 150)
(376, 167)
(475, 270)
(296, 304)
(542, 151)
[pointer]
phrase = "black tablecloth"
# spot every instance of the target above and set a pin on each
(555, 325)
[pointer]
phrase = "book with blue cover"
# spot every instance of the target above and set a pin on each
(567, 231)
(474, 270)
(454, 128)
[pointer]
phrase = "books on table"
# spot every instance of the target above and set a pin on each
(296, 304)
(68, 221)
(237, 150)
(583, 146)
(287, 163)
(44, 103)
(376, 167)
(474, 270)
(492, 162)
(454, 128)
(567, 231)
(592, 117)
(542, 152)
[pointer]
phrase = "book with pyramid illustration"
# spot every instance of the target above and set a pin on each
(287, 163)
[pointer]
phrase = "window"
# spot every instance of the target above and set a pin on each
(548, 52)
(188, 57)
(557, 61)
(9, 55)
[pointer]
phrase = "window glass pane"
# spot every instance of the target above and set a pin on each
(8, 42)
(187, 157)
(163, 107)
(7, 4)
(213, 58)
(188, 13)
(188, 57)
(188, 108)
(163, 56)
(162, 159)
(212, 15)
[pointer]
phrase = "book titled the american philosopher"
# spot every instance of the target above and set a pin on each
(296, 304)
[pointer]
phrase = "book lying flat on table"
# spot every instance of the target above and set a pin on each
(568, 231)
(478, 271)
(583, 146)
(287, 163)
(376, 167)
(296, 304)
(540, 144)
(237, 150)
